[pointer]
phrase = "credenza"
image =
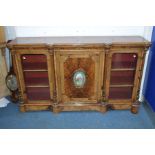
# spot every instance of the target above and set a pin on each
(84, 73)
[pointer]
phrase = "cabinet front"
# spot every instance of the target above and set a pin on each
(122, 76)
(79, 76)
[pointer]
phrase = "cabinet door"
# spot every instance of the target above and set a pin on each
(79, 75)
(122, 76)
(35, 75)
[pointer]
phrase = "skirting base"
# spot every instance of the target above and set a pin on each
(100, 107)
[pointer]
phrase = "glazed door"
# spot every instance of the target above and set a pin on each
(35, 76)
(79, 75)
(122, 76)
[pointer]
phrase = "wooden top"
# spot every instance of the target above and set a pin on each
(78, 40)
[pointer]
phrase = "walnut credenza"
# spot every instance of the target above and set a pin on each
(79, 73)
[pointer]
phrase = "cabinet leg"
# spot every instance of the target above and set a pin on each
(56, 109)
(22, 108)
(135, 107)
(104, 107)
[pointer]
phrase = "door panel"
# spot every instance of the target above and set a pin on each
(80, 76)
(34, 68)
(121, 74)
(72, 65)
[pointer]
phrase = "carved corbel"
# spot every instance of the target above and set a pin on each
(51, 50)
(107, 48)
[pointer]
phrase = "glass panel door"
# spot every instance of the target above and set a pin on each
(122, 75)
(36, 79)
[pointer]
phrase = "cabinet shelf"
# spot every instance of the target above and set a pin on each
(35, 86)
(35, 70)
(123, 85)
(123, 69)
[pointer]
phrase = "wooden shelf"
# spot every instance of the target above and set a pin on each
(35, 70)
(122, 85)
(123, 69)
(37, 86)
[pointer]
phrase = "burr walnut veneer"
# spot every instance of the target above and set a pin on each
(79, 73)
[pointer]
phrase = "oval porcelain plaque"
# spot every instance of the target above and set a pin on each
(79, 78)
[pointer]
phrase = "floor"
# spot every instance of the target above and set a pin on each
(12, 118)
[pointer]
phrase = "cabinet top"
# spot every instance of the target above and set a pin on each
(78, 40)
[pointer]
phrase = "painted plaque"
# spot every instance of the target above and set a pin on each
(79, 78)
